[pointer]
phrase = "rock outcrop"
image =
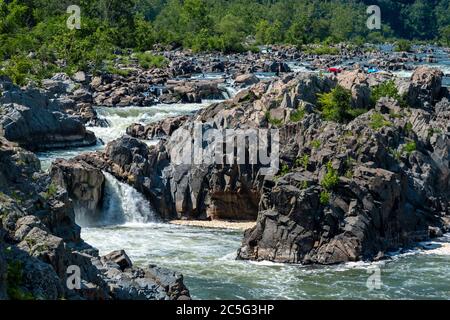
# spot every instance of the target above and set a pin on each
(160, 129)
(357, 82)
(36, 122)
(84, 185)
(40, 246)
(425, 87)
(344, 192)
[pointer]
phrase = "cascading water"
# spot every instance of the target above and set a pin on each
(124, 204)
(119, 119)
(206, 256)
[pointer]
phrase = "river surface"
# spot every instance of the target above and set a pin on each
(206, 257)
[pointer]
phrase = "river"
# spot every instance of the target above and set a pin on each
(206, 257)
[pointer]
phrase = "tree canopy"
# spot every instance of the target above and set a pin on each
(107, 26)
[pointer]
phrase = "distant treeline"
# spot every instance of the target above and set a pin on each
(39, 26)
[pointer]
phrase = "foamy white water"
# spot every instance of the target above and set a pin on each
(121, 118)
(206, 257)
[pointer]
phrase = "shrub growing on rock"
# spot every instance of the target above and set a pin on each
(148, 60)
(331, 178)
(324, 198)
(403, 46)
(377, 121)
(297, 115)
(273, 121)
(336, 105)
(385, 89)
(410, 147)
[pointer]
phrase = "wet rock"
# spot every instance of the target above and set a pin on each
(118, 257)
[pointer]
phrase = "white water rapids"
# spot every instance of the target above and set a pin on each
(206, 257)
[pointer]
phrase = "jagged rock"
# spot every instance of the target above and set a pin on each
(356, 81)
(158, 129)
(39, 240)
(277, 67)
(84, 184)
(425, 87)
(30, 119)
(118, 257)
(391, 184)
(60, 83)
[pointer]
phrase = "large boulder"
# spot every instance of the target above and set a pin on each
(36, 123)
(245, 80)
(356, 81)
(425, 87)
(84, 184)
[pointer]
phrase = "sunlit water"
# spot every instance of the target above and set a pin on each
(206, 257)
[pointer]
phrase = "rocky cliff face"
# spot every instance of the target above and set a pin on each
(344, 192)
(40, 242)
(84, 184)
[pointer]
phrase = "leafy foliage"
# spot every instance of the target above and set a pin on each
(403, 46)
(386, 89)
(14, 281)
(336, 105)
(38, 27)
(297, 115)
(324, 198)
(377, 121)
(148, 60)
(273, 121)
(409, 147)
(331, 178)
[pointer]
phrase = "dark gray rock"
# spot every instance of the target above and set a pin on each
(36, 123)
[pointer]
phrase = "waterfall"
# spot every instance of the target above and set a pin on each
(122, 204)
(228, 92)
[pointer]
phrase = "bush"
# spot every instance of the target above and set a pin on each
(337, 105)
(148, 60)
(14, 281)
(315, 144)
(324, 198)
(303, 161)
(52, 190)
(377, 121)
(273, 121)
(323, 50)
(331, 178)
(410, 147)
(385, 89)
(297, 115)
(284, 170)
(403, 46)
